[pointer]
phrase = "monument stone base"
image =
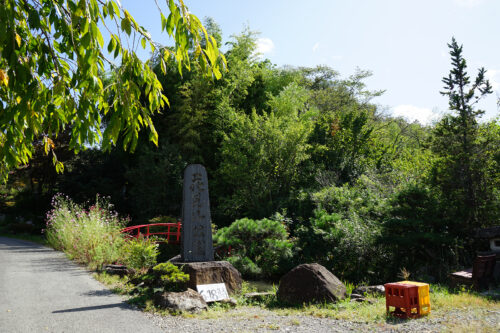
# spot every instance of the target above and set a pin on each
(208, 272)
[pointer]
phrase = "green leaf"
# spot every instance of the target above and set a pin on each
(117, 51)
(163, 67)
(116, 8)
(170, 25)
(171, 5)
(85, 40)
(163, 22)
(125, 25)
(217, 73)
(59, 167)
(94, 29)
(143, 42)
(153, 136)
(111, 45)
(111, 10)
(99, 38)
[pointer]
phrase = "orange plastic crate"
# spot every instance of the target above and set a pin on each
(424, 300)
(404, 298)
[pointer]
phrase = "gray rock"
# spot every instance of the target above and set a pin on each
(230, 301)
(378, 290)
(361, 300)
(259, 295)
(354, 296)
(176, 258)
(212, 272)
(186, 301)
(117, 270)
(310, 283)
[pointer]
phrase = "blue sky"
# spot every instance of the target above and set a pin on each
(403, 42)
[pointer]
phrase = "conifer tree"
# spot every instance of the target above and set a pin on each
(459, 169)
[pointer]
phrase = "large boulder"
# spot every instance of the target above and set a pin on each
(190, 301)
(310, 283)
(208, 272)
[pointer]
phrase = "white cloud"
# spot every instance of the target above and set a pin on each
(315, 47)
(494, 76)
(336, 57)
(264, 45)
(423, 115)
(468, 3)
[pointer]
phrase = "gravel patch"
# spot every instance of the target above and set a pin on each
(253, 319)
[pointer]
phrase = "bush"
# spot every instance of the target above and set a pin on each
(166, 276)
(260, 248)
(163, 219)
(141, 253)
(426, 239)
(343, 232)
(343, 244)
(363, 198)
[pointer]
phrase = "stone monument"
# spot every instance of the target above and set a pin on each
(197, 252)
(196, 240)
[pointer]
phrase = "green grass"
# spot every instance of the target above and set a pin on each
(443, 303)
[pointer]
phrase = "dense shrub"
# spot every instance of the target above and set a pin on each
(272, 148)
(166, 276)
(418, 234)
(343, 244)
(364, 198)
(342, 235)
(260, 248)
(163, 219)
(141, 253)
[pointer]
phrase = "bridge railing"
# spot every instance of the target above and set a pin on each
(170, 231)
(172, 234)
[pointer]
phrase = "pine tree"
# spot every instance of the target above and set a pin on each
(459, 171)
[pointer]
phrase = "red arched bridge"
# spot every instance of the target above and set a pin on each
(170, 231)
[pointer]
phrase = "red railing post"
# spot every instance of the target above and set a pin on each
(178, 231)
(147, 232)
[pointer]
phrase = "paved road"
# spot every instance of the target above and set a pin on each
(42, 291)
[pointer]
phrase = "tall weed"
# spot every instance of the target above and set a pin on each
(90, 236)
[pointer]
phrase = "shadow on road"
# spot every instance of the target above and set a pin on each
(104, 292)
(41, 258)
(121, 305)
(57, 265)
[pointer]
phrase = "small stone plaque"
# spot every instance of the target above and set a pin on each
(213, 292)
